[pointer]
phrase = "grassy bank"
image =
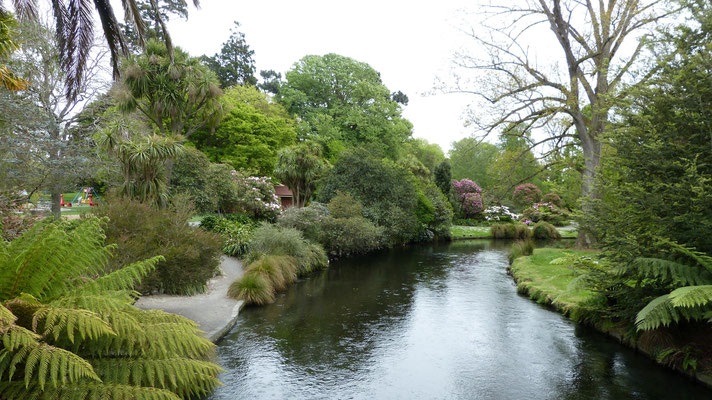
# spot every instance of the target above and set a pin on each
(460, 232)
(549, 283)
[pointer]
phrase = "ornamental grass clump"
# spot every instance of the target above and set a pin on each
(69, 330)
(254, 288)
(510, 231)
(521, 248)
(545, 231)
(276, 257)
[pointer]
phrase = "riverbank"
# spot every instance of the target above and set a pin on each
(548, 284)
(461, 232)
(213, 311)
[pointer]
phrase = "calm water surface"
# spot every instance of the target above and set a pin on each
(442, 322)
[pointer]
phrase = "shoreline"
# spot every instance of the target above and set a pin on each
(616, 334)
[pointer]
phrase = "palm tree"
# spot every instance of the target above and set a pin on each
(75, 32)
(8, 79)
(68, 328)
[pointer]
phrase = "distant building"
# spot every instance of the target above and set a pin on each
(286, 197)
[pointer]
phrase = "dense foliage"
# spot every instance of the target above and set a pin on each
(250, 134)
(69, 329)
(341, 102)
(140, 230)
(276, 257)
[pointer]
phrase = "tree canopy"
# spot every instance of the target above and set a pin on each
(342, 102)
(250, 134)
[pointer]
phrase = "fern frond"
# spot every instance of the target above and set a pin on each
(679, 273)
(44, 363)
(701, 258)
(17, 336)
(99, 303)
(84, 390)
(159, 340)
(175, 374)
(125, 278)
(662, 312)
(55, 321)
(691, 296)
(7, 318)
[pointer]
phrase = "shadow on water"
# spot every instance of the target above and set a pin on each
(441, 322)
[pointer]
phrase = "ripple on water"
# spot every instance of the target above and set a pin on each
(442, 322)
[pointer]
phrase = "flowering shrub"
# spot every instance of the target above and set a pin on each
(256, 196)
(499, 214)
(546, 212)
(552, 198)
(526, 194)
(468, 195)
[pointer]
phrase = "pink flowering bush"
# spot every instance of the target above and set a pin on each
(468, 196)
(526, 194)
(256, 196)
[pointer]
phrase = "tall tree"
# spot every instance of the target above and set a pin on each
(271, 81)
(592, 40)
(250, 134)
(471, 158)
(38, 138)
(176, 97)
(343, 102)
(299, 167)
(234, 65)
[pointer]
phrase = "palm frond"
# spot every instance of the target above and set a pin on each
(112, 33)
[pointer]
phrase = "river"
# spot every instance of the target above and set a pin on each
(432, 322)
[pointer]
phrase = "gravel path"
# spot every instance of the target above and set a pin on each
(213, 311)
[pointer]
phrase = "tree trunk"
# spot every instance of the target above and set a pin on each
(592, 160)
(56, 206)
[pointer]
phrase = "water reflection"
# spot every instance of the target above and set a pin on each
(428, 322)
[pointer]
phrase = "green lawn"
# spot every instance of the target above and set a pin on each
(469, 232)
(549, 283)
(479, 232)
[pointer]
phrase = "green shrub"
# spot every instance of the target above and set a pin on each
(546, 212)
(269, 239)
(348, 236)
(344, 205)
(236, 234)
(510, 231)
(279, 270)
(545, 231)
(307, 220)
(521, 248)
(141, 231)
(253, 288)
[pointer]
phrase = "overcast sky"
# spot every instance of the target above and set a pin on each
(408, 42)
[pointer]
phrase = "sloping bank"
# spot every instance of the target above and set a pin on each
(213, 311)
(548, 284)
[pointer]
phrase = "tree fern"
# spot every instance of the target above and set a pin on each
(69, 330)
(692, 301)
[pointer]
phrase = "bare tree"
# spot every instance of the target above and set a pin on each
(36, 124)
(544, 61)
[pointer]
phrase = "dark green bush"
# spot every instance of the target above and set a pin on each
(546, 212)
(347, 236)
(521, 248)
(545, 231)
(141, 231)
(307, 220)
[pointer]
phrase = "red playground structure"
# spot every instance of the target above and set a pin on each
(84, 196)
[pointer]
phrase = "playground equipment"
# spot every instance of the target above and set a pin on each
(84, 196)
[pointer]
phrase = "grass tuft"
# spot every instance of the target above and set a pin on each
(253, 288)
